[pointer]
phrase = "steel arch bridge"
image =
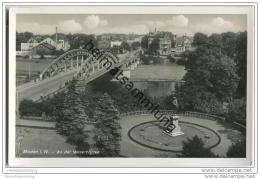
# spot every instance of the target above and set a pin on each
(78, 63)
(78, 59)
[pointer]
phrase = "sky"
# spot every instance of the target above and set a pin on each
(179, 24)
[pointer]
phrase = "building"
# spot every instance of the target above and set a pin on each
(164, 40)
(165, 46)
(62, 44)
(43, 50)
(32, 42)
(133, 40)
(183, 44)
(58, 41)
(115, 43)
(50, 41)
(112, 37)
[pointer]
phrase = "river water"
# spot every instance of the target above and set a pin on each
(156, 89)
(157, 79)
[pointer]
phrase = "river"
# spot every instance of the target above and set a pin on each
(157, 80)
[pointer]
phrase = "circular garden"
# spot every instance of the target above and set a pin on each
(152, 135)
(142, 136)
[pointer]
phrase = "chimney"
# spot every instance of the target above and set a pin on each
(56, 37)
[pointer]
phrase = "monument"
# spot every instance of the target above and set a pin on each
(173, 128)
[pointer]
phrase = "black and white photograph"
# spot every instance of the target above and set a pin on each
(167, 85)
(131, 84)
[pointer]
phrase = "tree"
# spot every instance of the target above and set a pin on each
(237, 111)
(48, 105)
(229, 44)
(136, 45)
(171, 59)
(200, 39)
(232, 45)
(41, 52)
(71, 116)
(194, 148)
(22, 37)
(215, 40)
(223, 77)
(237, 150)
(125, 46)
(241, 61)
(153, 47)
(209, 104)
(28, 107)
(80, 40)
(181, 61)
(57, 52)
(144, 42)
(107, 128)
(211, 79)
(146, 59)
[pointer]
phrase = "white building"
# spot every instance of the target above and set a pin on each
(115, 43)
(49, 41)
(63, 45)
(29, 44)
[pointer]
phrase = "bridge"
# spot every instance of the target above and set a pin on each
(80, 64)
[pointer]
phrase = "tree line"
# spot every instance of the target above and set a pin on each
(76, 41)
(215, 81)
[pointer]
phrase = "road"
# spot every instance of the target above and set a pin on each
(34, 90)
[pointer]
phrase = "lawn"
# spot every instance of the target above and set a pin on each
(36, 142)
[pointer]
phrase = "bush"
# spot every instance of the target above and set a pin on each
(182, 61)
(237, 111)
(171, 59)
(152, 60)
(29, 108)
(207, 103)
(157, 60)
(57, 52)
(146, 60)
(237, 150)
(194, 148)
(77, 139)
(84, 147)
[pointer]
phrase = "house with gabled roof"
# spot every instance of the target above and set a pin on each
(183, 44)
(46, 49)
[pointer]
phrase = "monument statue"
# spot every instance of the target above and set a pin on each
(173, 128)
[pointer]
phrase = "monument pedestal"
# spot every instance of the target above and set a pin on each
(174, 129)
